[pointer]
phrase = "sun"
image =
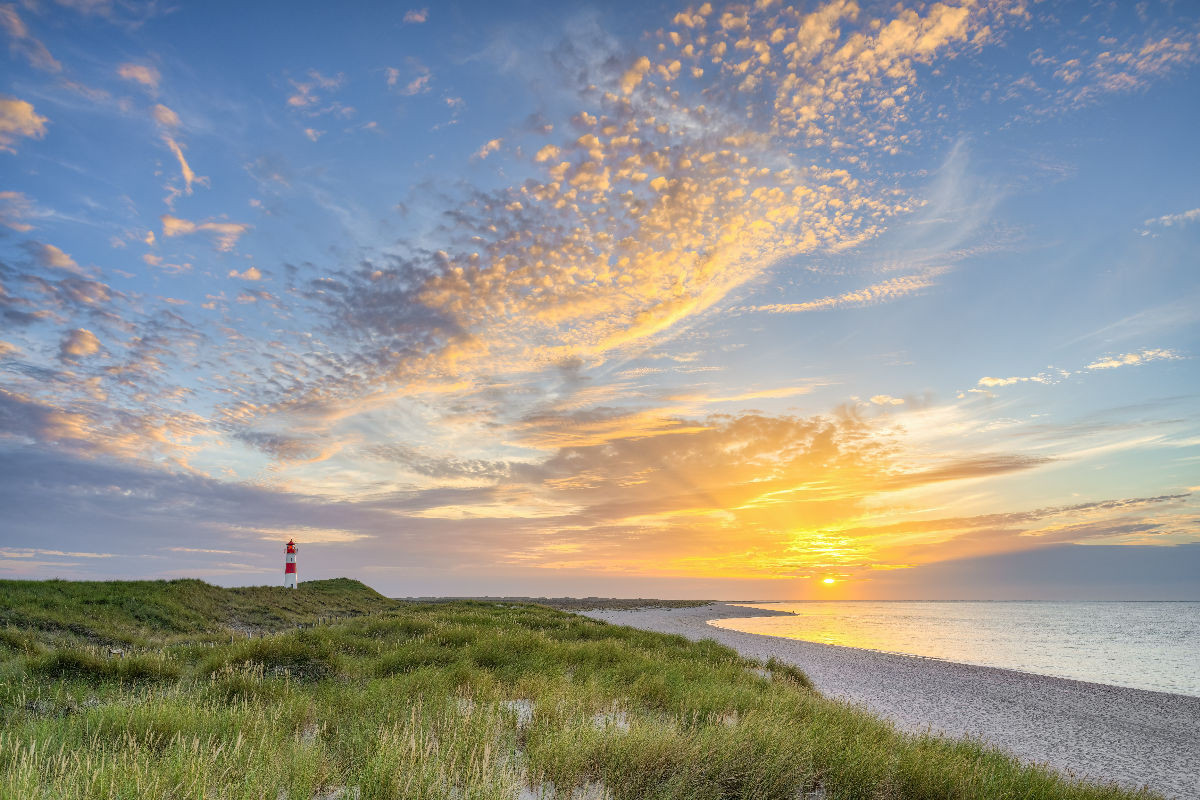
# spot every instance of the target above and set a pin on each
(829, 580)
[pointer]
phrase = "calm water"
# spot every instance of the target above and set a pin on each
(1143, 645)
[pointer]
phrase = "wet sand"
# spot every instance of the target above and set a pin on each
(1105, 733)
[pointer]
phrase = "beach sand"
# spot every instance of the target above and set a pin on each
(1104, 733)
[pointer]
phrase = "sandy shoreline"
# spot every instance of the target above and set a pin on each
(1131, 736)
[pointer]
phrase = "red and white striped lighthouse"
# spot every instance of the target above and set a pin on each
(290, 578)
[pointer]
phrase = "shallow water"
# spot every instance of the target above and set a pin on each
(1143, 645)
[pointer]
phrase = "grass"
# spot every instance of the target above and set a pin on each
(138, 612)
(447, 700)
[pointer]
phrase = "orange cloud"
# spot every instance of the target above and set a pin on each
(147, 76)
(488, 148)
(50, 257)
(77, 344)
(249, 274)
(165, 116)
(24, 44)
(747, 496)
(225, 234)
(17, 118)
(185, 169)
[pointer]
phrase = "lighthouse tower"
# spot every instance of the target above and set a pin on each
(290, 578)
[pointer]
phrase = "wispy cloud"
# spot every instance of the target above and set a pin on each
(992, 383)
(1056, 375)
(15, 208)
(146, 75)
(1171, 221)
(22, 43)
(165, 116)
(225, 234)
(308, 92)
(185, 169)
(48, 256)
(884, 292)
(1134, 359)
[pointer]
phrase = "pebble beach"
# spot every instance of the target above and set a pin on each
(1103, 733)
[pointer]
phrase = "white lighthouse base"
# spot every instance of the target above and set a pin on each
(290, 580)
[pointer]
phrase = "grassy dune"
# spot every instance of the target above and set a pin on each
(450, 700)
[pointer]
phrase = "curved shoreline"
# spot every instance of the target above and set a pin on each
(1135, 737)
(924, 658)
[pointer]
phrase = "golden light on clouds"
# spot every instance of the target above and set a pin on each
(747, 296)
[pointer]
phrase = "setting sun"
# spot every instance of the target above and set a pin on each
(829, 580)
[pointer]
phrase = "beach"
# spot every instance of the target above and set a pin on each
(1105, 733)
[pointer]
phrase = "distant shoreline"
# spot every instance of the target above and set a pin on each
(1132, 736)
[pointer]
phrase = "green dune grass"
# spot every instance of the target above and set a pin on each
(441, 700)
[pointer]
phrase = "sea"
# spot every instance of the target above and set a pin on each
(1143, 645)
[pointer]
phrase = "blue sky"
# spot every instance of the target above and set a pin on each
(717, 300)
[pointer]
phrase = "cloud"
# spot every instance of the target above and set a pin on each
(147, 76)
(1116, 55)
(632, 228)
(992, 383)
(416, 16)
(1134, 359)
(305, 96)
(419, 84)
(633, 76)
(165, 116)
(25, 45)
(1171, 221)
(983, 466)
(762, 394)
(313, 134)
(78, 343)
(189, 176)
(287, 447)
(1080, 75)
(887, 291)
(488, 148)
(48, 256)
(440, 466)
(130, 504)
(249, 274)
(1054, 375)
(15, 208)
(17, 118)
(451, 397)
(225, 234)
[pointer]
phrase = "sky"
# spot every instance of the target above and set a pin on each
(830, 300)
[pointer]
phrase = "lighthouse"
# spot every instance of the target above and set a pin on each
(290, 579)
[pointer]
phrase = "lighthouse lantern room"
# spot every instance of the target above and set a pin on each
(290, 578)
